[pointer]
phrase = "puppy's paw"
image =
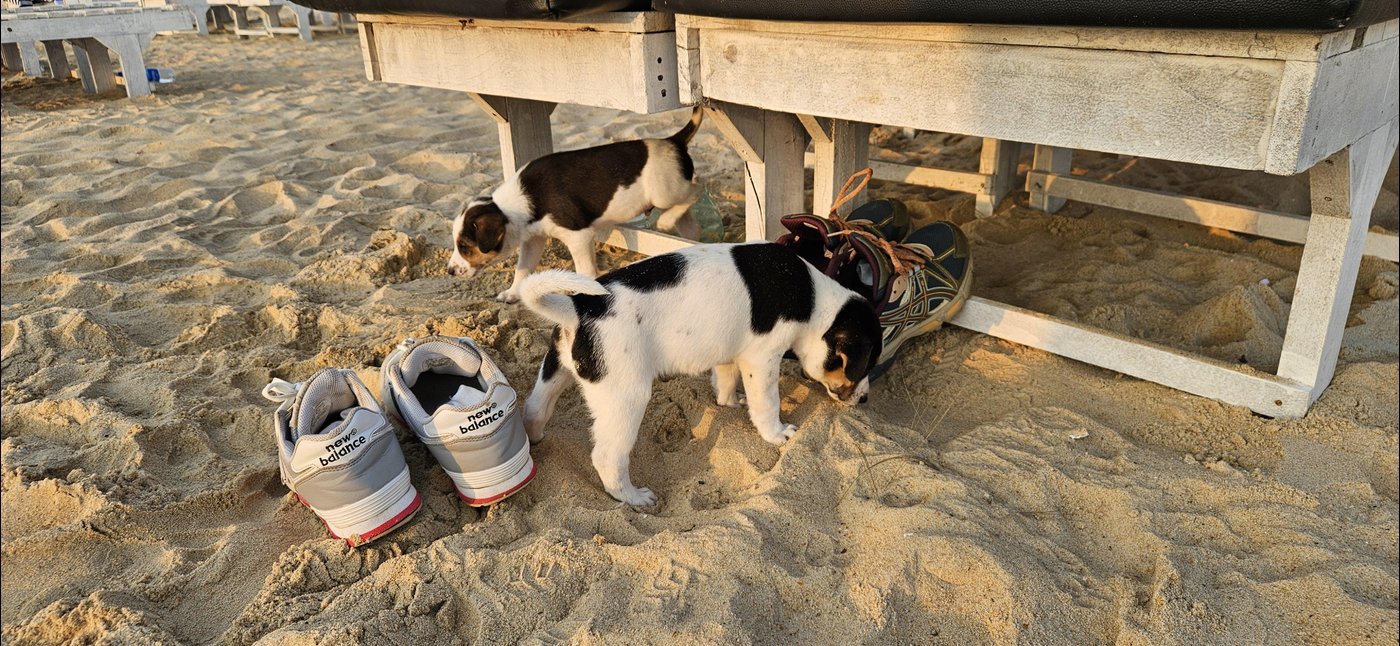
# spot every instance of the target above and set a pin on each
(780, 435)
(636, 497)
(508, 296)
(734, 400)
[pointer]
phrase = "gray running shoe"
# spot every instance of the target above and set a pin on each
(454, 398)
(339, 455)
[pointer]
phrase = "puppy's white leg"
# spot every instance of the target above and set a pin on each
(760, 375)
(530, 251)
(617, 416)
(679, 219)
(580, 244)
(725, 379)
(539, 408)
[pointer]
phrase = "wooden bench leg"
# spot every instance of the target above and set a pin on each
(29, 60)
(998, 164)
(201, 18)
(240, 21)
(128, 50)
(523, 126)
(94, 65)
(772, 146)
(840, 148)
(1055, 161)
(303, 16)
(58, 59)
(9, 55)
(1344, 189)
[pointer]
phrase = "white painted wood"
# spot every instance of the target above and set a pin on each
(367, 50)
(94, 65)
(127, 47)
(688, 65)
(950, 180)
(1202, 42)
(644, 241)
(9, 53)
(1262, 393)
(523, 127)
(998, 164)
(1346, 96)
(1344, 189)
(63, 25)
(1221, 215)
(611, 69)
(840, 148)
(1052, 160)
(772, 146)
(29, 60)
(629, 22)
(58, 59)
(1197, 109)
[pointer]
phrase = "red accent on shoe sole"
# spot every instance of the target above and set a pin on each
(482, 502)
(377, 531)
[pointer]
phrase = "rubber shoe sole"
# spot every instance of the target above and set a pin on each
(381, 513)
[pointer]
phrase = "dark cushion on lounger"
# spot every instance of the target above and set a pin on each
(1304, 15)
(498, 9)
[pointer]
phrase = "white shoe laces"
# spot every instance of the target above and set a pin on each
(280, 390)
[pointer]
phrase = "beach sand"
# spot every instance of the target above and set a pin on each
(273, 213)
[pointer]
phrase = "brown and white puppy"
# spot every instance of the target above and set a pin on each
(574, 196)
(733, 309)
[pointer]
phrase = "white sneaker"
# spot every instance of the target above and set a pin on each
(339, 455)
(455, 399)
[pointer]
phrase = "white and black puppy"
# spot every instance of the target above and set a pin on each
(732, 308)
(573, 196)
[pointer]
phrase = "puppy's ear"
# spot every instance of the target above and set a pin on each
(489, 231)
(855, 337)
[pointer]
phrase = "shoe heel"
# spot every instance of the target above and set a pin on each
(489, 487)
(382, 512)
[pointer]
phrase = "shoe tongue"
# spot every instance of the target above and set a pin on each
(464, 397)
(322, 401)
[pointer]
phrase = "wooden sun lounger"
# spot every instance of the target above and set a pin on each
(1280, 102)
(1285, 103)
(305, 18)
(92, 30)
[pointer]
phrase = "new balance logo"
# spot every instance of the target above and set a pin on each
(483, 418)
(343, 446)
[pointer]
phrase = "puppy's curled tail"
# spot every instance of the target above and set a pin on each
(547, 294)
(686, 133)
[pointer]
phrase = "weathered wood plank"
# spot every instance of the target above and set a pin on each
(1261, 393)
(62, 27)
(1346, 96)
(128, 50)
(1241, 44)
(1052, 160)
(58, 59)
(523, 126)
(580, 67)
(631, 22)
(1344, 189)
(1206, 110)
(840, 148)
(1221, 215)
(998, 164)
(644, 241)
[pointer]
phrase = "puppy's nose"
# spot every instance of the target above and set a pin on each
(864, 398)
(452, 270)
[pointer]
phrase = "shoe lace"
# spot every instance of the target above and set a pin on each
(902, 256)
(280, 390)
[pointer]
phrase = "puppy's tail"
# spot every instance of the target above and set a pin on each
(686, 133)
(547, 294)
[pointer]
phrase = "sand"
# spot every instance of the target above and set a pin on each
(273, 213)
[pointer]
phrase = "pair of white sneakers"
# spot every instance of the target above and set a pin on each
(339, 454)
